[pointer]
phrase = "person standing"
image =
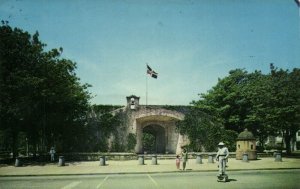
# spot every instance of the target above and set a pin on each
(52, 153)
(184, 155)
(178, 162)
(221, 157)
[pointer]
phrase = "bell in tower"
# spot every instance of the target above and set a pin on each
(133, 102)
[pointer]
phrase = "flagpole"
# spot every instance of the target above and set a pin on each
(298, 5)
(146, 88)
(299, 22)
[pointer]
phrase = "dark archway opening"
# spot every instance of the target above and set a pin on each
(154, 139)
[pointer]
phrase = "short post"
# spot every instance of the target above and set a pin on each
(210, 158)
(278, 157)
(141, 160)
(154, 160)
(61, 161)
(102, 161)
(18, 162)
(245, 157)
(198, 159)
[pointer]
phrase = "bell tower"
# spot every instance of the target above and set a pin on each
(133, 102)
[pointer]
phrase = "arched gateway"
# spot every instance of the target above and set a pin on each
(156, 139)
(157, 121)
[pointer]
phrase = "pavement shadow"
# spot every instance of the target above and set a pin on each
(231, 180)
(29, 164)
(75, 163)
(258, 159)
(4, 165)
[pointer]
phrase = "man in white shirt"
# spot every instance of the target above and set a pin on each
(222, 156)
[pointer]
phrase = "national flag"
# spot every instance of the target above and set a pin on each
(298, 2)
(151, 72)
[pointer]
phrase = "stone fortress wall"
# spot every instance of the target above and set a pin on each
(157, 120)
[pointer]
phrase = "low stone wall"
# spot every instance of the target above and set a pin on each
(96, 156)
(42, 158)
(27, 160)
(205, 154)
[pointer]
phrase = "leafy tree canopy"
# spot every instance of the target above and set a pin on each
(266, 104)
(40, 93)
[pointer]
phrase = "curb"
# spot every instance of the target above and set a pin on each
(154, 172)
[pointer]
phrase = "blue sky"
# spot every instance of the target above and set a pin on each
(190, 43)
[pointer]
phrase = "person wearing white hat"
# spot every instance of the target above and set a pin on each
(52, 153)
(221, 157)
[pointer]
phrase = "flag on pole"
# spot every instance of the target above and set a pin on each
(298, 2)
(151, 72)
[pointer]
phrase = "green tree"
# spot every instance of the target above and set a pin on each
(284, 103)
(40, 93)
(226, 101)
(149, 144)
(240, 101)
(205, 131)
(18, 80)
(265, 104)
(219, 114)
(256, 92)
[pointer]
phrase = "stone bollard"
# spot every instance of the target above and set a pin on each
(245, 157)
(18, 163)
(102, 161)
(141, 160)
(199, 159)
(210, 158)
(154, 160)
(61, 161)
(278, 157)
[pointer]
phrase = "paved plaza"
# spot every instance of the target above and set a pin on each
(258, 179)
(132, 166)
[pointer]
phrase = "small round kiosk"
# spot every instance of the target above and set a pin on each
(246, 146)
